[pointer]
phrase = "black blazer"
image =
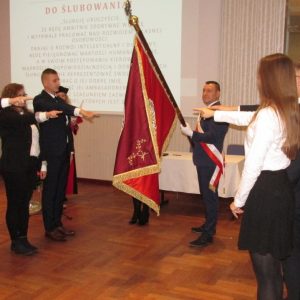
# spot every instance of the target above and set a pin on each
(214, 133)
(16, 135)
(252, 107)
(53, 133)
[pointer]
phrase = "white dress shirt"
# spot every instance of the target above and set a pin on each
(263, 143)
(35, 138)
(5, 102)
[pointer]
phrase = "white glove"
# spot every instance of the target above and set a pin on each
(186, 130)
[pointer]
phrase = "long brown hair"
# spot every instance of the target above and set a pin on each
(11, 90)
(277, 88)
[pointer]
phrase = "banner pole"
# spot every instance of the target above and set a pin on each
(134, 21)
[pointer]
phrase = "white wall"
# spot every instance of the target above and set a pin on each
(251, 29)
(200, 49)
(236, 34)
(4, 43)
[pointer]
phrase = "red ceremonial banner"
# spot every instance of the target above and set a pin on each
(149, 121)
(71, 187)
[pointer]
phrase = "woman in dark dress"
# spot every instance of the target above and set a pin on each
(19, 165)
(265, 195)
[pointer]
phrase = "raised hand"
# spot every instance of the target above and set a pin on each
(89, 115)
(20, 100)
(204, 112)
(224, 107)
(53, 114)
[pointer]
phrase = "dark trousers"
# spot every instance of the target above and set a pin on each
(54, 190)
(210, 199)
(19, 188)
(291, 266)
(140, 211)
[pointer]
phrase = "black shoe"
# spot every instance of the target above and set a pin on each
(144, 217)
(198, 229)
(136, 211)
(202, 241)
(133, 220)
(143, 222)
(55, 235)
(25, 242)
(18, 247)
(65, 231)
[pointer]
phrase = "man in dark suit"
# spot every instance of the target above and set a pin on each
(55, 149)
(213, 133)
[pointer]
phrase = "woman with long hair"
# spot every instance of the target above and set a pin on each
(265, 195)
(19, 164)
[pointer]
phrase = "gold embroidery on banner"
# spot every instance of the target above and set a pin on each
(134, 193)
(147, 104)
(118, 180)
(136, 173)
(168, 138)
(139, 154)
(152, 113)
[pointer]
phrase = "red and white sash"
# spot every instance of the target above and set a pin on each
(217, 158)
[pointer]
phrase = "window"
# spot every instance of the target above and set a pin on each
(292, 30)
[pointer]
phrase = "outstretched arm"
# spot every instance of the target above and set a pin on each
(45, 116)
(88, 114)
(224, 107)
(243, 107)
(239, 118)
(17, 101)
(60, 105)
(41, 105)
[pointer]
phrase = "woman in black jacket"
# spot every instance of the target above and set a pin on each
(19, 165)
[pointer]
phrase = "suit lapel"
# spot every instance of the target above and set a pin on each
(203, 123)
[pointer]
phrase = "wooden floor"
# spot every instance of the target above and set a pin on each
(110, 259)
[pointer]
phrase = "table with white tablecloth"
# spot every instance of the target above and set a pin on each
(178, 174)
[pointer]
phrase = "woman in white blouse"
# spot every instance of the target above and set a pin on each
(265, 195)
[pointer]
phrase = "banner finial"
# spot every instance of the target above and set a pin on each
(127, 7)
